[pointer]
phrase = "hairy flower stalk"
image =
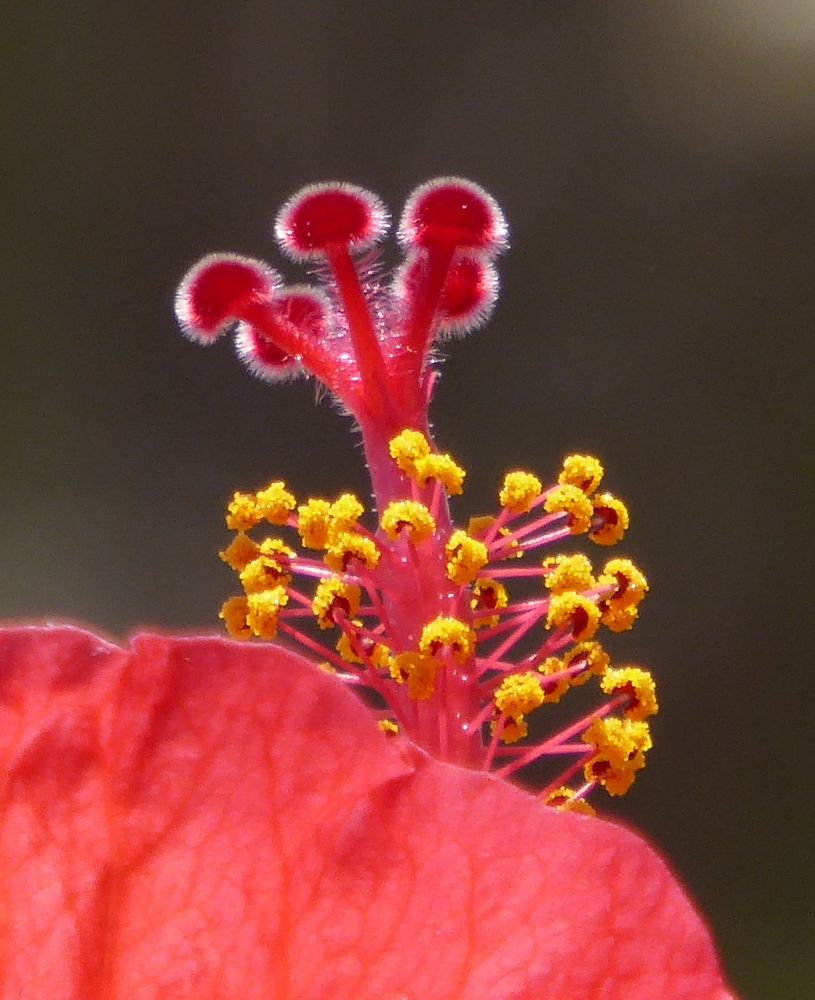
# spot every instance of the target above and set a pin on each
(463, 632)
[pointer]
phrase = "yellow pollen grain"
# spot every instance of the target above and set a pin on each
(233, 614)
(348, 546)
(376, 655)
(612, 515)
(344, 514)
(242, 512)
(488, 596)
(519, 491)
(240, 552)
(630, 582)
(567, 573)
(275, 503)
(553, 691)
(410, 515)
(276, 548)
(619, 619)
(512, 731)
(406, 448)
(583, 471)
(449, 633)
(639, 685)
(418, 671)
(466, 557)
(345, 647)
(567, 499)
(263, 573)
(563, 799)
(330, 594)
(380, 656)
(571, 610)
(313, 518)
(443, 469)
(519, 694)
(597, 661)
(388, 727)
(264, 611)
(621, 745)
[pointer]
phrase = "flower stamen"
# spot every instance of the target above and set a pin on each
(459, 632)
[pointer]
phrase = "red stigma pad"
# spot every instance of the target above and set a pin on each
(325, 216)
(264, 359)
(453, 212)
(213, 291)
(469, 293)
(301, 307)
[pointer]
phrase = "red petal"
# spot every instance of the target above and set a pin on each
(199, 819)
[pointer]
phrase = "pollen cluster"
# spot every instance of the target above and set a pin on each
(422, 613)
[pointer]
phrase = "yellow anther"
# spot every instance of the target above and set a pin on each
(276, 548)
(348, 546)
(264, 573)
(264, 611)
(630, 582)
(406, 448)
(345, 647)
(512, 731)
(410, 515)
(568, 499)
(388, 727)
(275, 503)
(609, 520)
(488, 595)
(619, 619)
(567, 573)
(379, 656)
(442, 468)
(344, 512)
(519, 694)
(597, 661)
(621, 741)
(242, 512)
(553, 690)
(418, 671)
(621, 745)
(583, 471)
(574, 611)
(313, 519)
(233, 614)
(269, 569)
(332, 597)
(519, 491)
(240, 552)
(563, 799)
(466, 557)
(374, 654)
(448, 633)
(639, 685)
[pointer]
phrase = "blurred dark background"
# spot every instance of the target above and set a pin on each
(657, 164)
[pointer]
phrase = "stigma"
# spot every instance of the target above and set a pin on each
(464, 634)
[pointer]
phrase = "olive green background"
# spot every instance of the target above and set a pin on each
(656, 162)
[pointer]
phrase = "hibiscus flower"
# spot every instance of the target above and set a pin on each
(204, 818)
